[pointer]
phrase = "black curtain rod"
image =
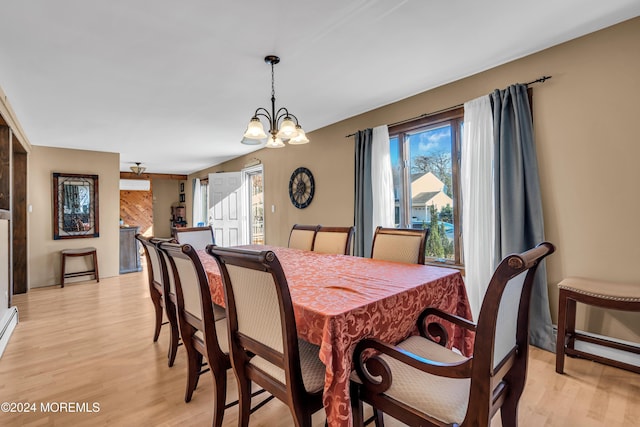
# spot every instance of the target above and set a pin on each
(540, 80)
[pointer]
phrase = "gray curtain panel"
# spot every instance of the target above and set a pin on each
(519, 222)
(363, 204)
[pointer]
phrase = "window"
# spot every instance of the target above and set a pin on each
(425, 161)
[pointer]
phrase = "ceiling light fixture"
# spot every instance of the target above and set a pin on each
(281, 123)
(137, 169)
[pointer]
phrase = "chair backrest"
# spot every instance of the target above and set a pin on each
(194, 305)
(260, 313)
(303, 236)
(157, 276)
(333, 240)
(502, 334)
(165, 264)
(196, 237)
(399, 244)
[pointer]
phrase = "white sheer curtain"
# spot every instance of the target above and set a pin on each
(381, 179)
(478, 213)
(197, 203)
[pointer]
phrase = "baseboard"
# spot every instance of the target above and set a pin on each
(7, 325)
(611, 353)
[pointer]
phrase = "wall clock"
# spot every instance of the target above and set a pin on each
(301, 188)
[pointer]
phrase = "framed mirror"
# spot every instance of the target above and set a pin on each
(75, 206)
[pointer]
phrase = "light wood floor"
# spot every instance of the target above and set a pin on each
(93, 343)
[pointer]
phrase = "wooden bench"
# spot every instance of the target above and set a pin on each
(80, 252)
(615, 296)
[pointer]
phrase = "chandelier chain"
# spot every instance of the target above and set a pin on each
(273, 82)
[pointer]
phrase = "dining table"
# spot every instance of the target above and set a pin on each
(340, 299)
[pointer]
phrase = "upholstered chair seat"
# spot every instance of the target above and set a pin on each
(311, 367)
(449, 404)
(221, 332)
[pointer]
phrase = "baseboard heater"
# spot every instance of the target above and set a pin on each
(9, 322)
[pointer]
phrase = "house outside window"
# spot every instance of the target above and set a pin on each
(426, 163)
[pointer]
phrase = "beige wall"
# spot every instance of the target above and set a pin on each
(44, 252)
(165, 192)
(586, 135)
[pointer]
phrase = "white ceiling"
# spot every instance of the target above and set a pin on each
(172, 84)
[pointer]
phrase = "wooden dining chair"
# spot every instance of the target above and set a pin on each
(196, 237)
(333, 240)
(203, 325)
(160, 289)
(303, 236)
(399, 244)
(265, 347)
(421, 382)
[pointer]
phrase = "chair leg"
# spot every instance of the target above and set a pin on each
(566, 326)
(95, 265)
(173, 344)
(194, 362)
(220, 398)
(356, 406)
(301, 417)
(378, 417)
(244, 401)
(62, 270)
(174, 333)
(509, 412)
(157, 305)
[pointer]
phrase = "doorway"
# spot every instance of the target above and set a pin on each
(253, 183)
(236, 206)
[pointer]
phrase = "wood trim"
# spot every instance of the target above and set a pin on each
(428, 120)
(131, 175)
(5, 168)
(19, 214)
(9, 118)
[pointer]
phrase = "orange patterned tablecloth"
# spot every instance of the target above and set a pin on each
(340, 299)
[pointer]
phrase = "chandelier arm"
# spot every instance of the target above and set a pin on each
(282, 112)
(263, 112)
(294, 118)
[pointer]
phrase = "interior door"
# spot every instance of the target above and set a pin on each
(225, 208)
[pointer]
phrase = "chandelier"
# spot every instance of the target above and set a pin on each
(137, 169)
(283, 126)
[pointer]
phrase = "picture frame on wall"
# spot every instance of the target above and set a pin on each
(181, 197)
(75, 206)
(182, 187)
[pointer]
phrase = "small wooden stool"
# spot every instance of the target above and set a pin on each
(92, 252)
(616, 296)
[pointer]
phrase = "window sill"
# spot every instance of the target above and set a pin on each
(434, 263)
